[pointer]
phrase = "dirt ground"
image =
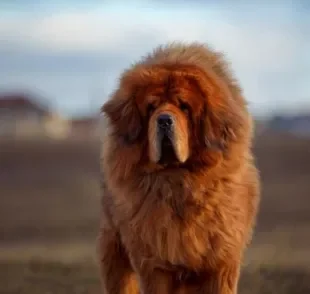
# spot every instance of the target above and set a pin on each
(49, 206)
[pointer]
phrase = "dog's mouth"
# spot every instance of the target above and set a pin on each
(167, 154)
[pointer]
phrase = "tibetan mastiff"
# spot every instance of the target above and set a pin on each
(180, 184)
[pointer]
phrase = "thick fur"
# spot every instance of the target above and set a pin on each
(180, 227)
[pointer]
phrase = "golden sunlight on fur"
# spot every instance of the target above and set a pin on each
(180, 188)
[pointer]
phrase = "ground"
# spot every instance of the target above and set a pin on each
(49, 207)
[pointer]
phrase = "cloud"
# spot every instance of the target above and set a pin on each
(251, 46)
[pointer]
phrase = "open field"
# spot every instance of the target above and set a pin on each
(49, 206)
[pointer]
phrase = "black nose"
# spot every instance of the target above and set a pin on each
(164, 120)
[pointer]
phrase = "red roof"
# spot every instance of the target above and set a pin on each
(20, 101)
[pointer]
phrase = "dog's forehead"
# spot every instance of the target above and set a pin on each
(172, 88)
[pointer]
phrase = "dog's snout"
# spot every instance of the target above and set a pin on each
(165, 120)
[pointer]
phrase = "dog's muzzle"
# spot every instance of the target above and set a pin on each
(168, 144)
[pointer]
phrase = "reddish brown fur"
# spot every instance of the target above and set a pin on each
(181, 228)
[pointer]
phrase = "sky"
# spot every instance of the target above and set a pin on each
(71, 53)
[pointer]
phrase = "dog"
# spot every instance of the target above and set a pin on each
(181, 189)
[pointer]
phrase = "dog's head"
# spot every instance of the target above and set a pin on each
(178, 115)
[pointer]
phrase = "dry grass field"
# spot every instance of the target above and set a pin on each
(49, 206)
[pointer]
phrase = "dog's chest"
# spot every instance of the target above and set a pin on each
(171, 238)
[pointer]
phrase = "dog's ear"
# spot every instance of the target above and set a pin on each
(125, 118)
(223, 113)
(217, 129)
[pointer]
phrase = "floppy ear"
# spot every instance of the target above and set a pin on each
(221, 116)
(125, 118)
(217, 130)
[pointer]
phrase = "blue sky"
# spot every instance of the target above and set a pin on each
(70, 53)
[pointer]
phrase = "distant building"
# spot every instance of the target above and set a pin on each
(56, 127)
(85, 128)
(21, 116)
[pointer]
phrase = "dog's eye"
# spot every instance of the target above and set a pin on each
(150, 109)
(184, 107)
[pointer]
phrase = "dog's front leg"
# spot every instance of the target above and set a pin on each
(154, 280)
(117, 275)
(222, 281)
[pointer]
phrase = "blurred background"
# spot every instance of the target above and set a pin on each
(59, 60)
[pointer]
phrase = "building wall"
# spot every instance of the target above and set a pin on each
(56, 127)
(28, 123)
(20, 123)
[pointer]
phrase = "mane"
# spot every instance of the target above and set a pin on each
(197, 54)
